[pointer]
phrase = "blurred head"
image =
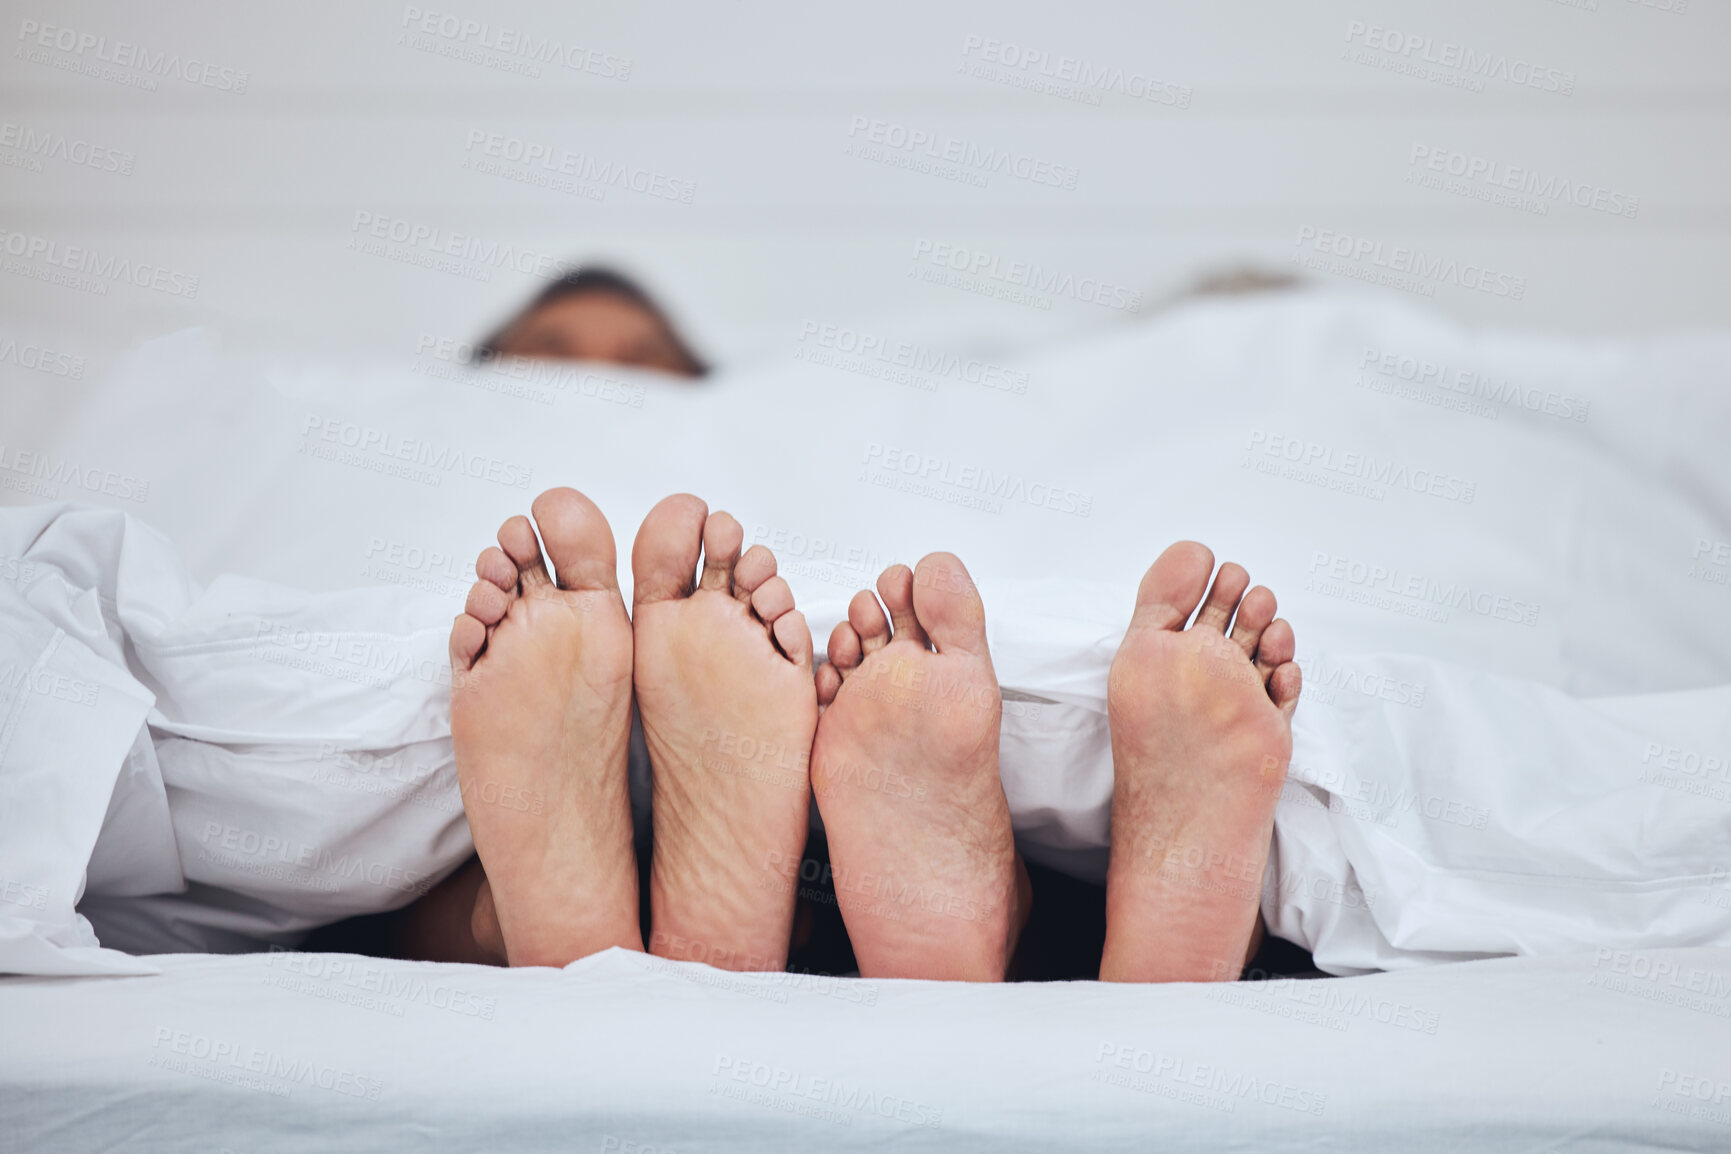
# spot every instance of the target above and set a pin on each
(595, 314)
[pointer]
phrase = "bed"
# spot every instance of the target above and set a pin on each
(618, 1052)
(1511, 757)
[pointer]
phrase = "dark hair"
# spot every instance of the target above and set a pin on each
(593, 279)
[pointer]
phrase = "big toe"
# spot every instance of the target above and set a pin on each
(1174, 584)
(664, 556)
(948, 606)
(578, 539)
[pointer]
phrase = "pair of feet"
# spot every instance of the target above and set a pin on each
(897, 735)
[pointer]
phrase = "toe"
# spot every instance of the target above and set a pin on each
(896, 587)
(467, 637)
(828, 684)
(579, 540)
(1173, 585)
(868, 620)
(948, 605)
(517, 539)
(1223, 598)
(845, 653)
(1284, 686)
(722, 538)
(1276, 648)
(487, 603)
(1254, 614)
(664, 556)
(794, 637)
(772, 599)
(756, 567)
(493, 565)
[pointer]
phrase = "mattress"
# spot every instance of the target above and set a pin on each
(1610, 1050)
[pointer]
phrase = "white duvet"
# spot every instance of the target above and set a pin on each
(1505, 559)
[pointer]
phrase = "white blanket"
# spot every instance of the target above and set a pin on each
(238, 764)
(624, 1054)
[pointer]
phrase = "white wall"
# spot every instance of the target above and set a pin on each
(256, 193)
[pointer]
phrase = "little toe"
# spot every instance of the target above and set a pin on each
(949, 607)
(772, 599)
(579, 540)
(722, 538)
(828, 684)
(1173, 585)
(467, 637)
(1276, 648)
(1284, 687)
(1223, 598)
(896, 587)
(845, 652)
(487, 603)
(493, 565)
(517, 539)
(664, 556)
(794, 637)
(868, 620)
(753, 569)
(1254, 613)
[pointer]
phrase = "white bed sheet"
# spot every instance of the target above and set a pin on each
(290, 1052)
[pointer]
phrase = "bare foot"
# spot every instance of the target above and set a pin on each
(1201, 736)
(906, 773)
(724, 687)
(541, 722)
